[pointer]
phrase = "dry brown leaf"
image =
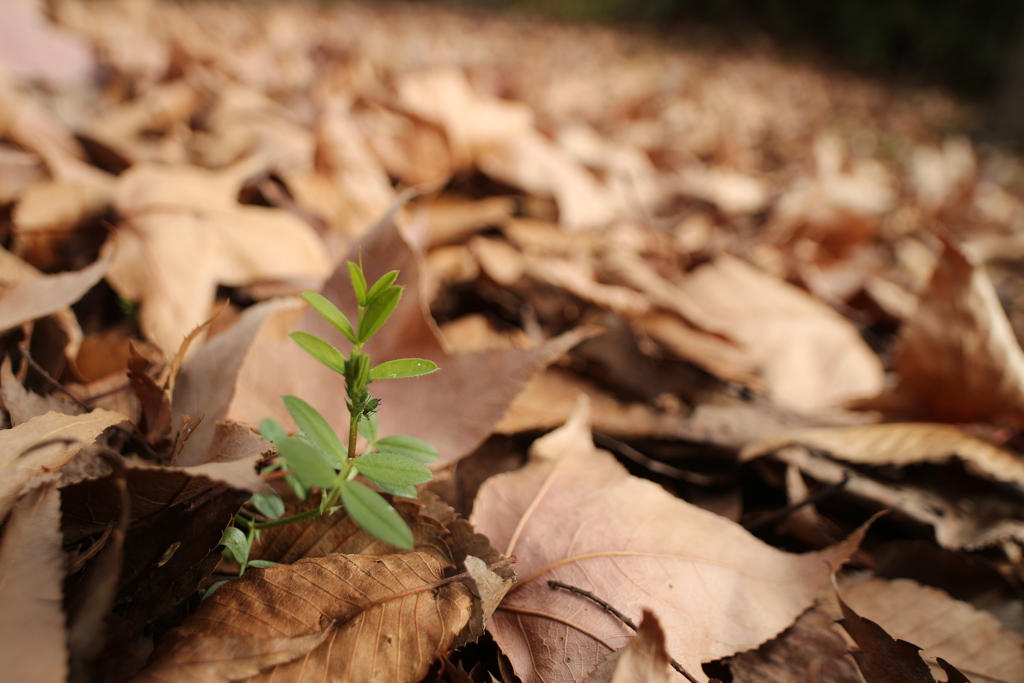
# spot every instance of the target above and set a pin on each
(579, 277)
(501, 262)
(731, 191)
(970, 639)
(644, 660)
(382, 617)
(45, 444)
(33, 48)
(550, 398)
(44, 295)
(957, 357)
(452, 220)
(900, 444)
(811, 356)
(185, 233)
(810, 647)
(985, 522)
(535, 164)
(472, 122)
(575, 515)
(22, 405)
(31, 577)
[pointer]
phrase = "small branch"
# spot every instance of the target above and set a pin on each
(773, 517)
(618, 615)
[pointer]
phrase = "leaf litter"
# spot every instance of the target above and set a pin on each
(789, 296)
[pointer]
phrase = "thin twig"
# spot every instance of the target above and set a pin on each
(653, 465)
(618, 615)
(773, 517)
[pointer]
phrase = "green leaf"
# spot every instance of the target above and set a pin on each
(314, 426)
(375, 515)
(358, 282)
(261, 563)
(309, 464)
(321, 350)
(377, 313)
(403, 367)
(380, 285)
(298, 488)
(409, 446)
(272, 431)
(331, 314)
(214, 587)
(403, 491)
(270, 506)
(237, 544)
(368, 427)
(390, 468)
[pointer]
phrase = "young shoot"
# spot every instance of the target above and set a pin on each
(318, 458)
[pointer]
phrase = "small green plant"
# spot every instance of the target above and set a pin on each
(317, 458)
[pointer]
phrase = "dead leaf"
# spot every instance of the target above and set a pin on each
(810, 647)
(881, 657)
(22, 405)
(575, 515)
(31, 576)
(901, 445)
(343, 606)
(972, 640)
(534, 163)
(644, 660)
(957, 357)
(45, 444)
(47, 294)
(472, 122)
(811, 356)
(185, 234)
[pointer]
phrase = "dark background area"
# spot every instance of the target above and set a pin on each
(965, 45)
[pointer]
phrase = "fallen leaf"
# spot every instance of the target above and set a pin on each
(574, 514)
(974, 641)
(644, 660)
(31, 576)
(534, 163)
(185, 233)
(33, 48)
(387, 605)
(809, 647)
(811, 357)
(880, 656)
(957, 357)
(22, 405)
(472, 122)
(901, 445)
(45, 444)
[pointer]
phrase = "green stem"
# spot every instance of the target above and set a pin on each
(308, 514)
(353, 434)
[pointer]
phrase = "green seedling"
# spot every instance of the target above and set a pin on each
(317, 458)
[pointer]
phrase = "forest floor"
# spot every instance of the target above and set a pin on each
(701, 314)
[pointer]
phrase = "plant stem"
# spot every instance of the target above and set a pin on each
(308, 514)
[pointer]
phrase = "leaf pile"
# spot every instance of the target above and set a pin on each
(700, 315)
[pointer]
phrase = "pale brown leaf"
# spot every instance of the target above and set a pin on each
(970, 639)
(644, 660)
(186, 233)
(899, 444)
(574, 514)
(957, 357)
(32, 631)
(45, 444)
(380, 616)
(811, 357)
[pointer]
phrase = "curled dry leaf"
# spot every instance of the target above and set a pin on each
(45, 444)
(811, 357)
(970, 639)
(185, 234)
(574, 514)
(899, 444)
(31, 575)
(644, 660)
(957, 357)
(39, 297)
(378, 617)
